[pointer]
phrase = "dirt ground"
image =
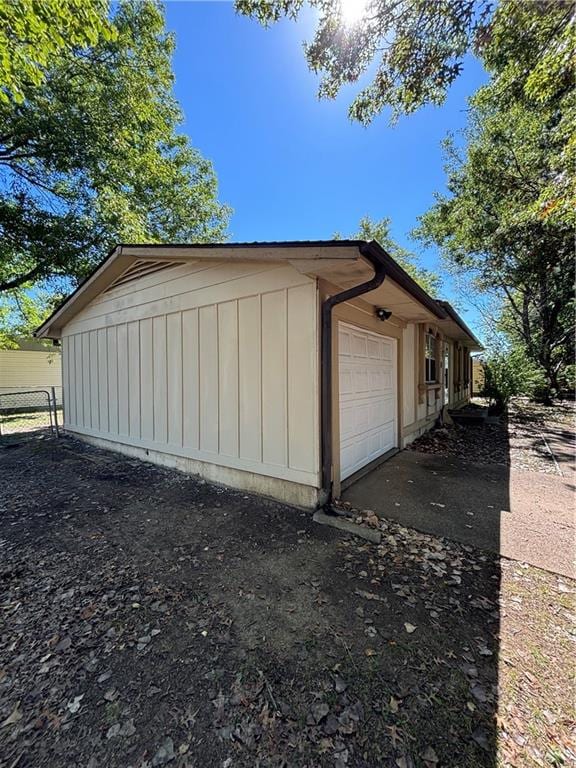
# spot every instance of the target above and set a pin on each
(526, 439)
(151, 619)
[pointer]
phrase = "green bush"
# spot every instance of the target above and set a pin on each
(510, 374)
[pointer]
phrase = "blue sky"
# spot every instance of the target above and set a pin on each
(293, 167)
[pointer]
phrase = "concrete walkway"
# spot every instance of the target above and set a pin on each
(525, 516)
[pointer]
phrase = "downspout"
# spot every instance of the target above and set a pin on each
(325, 499)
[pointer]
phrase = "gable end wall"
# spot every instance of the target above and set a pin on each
(210, 367)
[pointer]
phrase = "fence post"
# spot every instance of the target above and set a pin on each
(53, 391)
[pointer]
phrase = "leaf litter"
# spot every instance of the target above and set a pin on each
(198, 635)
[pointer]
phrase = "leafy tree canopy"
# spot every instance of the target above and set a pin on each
(416, 47)
(380, 231)
(508, 216)
(32, 33)
(21, 312)
(92, 155)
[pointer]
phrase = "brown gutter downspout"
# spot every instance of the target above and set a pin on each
(325, 499)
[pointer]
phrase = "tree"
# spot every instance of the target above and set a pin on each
(416, 47)
(380, 231)
(507, 220)
(92, 156)
(32, 33)
(21, 312)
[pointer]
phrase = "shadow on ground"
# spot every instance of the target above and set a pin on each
(151, 619)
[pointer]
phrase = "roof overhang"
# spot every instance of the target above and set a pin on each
(341, 263)
(457, 329)
(399, 293)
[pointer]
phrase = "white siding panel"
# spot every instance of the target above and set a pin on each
(68, 347)
(208, 374)
(274, 378)
(65, 378)
(248, 283)
(409, 373)
(218, 365)
(124, 362)
(87, 388)
(302, 408)
(146, 381)
(250, 378)
(103, 414)
(112, 356)
(159, 352)
(79, 388)
(190, 380)
(216, 277)
(174, 362)
(228, 378)
(93, 378)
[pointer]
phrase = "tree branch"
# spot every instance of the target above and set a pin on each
(16, 282)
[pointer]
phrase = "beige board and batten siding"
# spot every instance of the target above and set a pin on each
(209, 366)
(421, 407)
(23, 370)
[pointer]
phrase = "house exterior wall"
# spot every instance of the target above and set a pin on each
(22, 370)
(430, 399)
(211, 367)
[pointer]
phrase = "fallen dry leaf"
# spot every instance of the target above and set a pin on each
(430, 757)
(14, 717)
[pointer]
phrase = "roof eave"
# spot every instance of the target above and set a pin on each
(120, 257)
(50, 328)
(453, 315)
(395, 272)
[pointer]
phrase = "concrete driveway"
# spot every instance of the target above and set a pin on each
(525, 516)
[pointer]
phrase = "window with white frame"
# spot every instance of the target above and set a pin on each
(430, 359)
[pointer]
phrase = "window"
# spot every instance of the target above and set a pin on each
(430, 362)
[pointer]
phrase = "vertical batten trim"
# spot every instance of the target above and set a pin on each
(261, 379)
(198, 379)
(238, 363)
(217, 313)
(287, 388)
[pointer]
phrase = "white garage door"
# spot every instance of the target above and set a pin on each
(368, 397)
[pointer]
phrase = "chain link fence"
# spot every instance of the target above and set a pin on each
(31, 413)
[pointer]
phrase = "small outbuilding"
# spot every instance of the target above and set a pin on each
(282, 368)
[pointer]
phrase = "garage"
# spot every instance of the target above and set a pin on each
(368, 397)
(276, 368)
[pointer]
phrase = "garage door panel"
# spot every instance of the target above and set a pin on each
(375, 349)
(359, 346)
(362, 449)
(368, 397)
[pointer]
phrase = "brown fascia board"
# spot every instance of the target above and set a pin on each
(253, 244)
(453, 315)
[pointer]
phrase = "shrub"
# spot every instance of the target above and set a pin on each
(508, 375)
